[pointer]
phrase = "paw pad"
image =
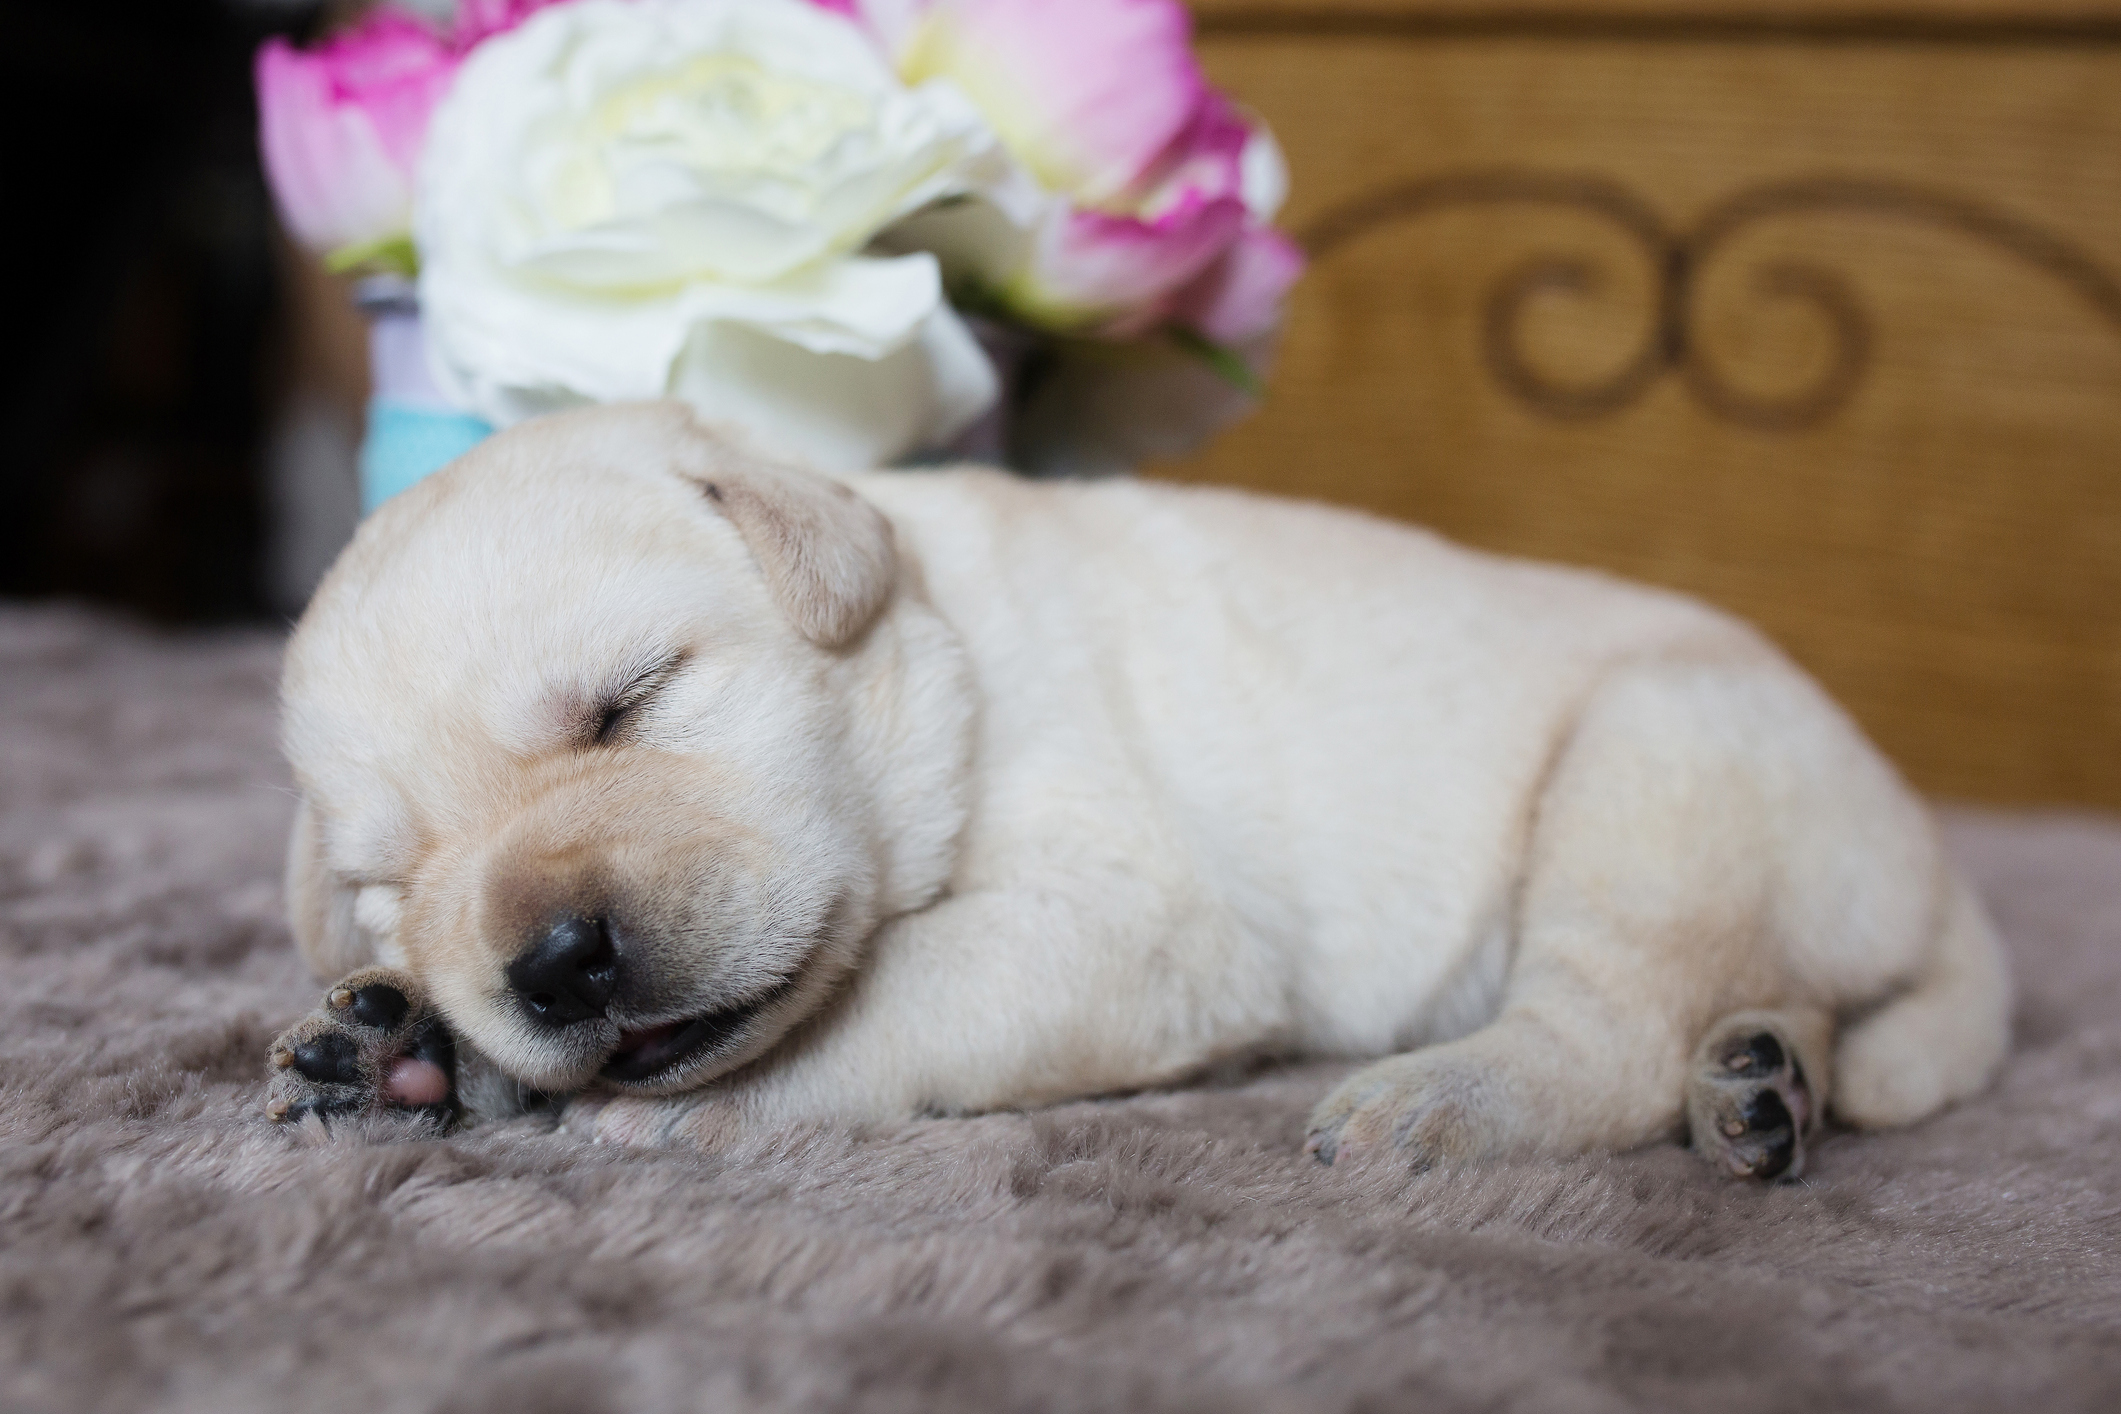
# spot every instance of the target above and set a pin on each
(1747, 1101)
(380, 1006)
(329, 1059)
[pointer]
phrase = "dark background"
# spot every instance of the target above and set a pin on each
(152, 341)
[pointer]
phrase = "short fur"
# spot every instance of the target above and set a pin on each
(990, 794)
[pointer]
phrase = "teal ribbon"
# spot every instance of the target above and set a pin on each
(407, 442)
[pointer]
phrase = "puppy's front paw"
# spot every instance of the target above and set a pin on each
(1423, 1107)
(374, 1044)
(1747, 1100)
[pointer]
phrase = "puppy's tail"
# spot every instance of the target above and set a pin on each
(1940, 1040)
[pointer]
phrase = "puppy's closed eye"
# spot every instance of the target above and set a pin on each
(608, 724)
(607, 720)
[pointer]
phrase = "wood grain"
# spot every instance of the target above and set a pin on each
(1942, 546)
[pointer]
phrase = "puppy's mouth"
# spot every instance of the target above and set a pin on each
(655, 1052)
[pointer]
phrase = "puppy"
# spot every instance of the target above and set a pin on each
(640, 769)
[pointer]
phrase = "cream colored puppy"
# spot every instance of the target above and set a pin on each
(640, 769)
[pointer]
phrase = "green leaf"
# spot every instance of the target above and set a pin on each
(1228, 364)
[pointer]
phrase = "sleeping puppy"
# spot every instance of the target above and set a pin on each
(698, 792)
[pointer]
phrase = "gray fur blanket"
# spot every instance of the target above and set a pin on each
(162, 1246)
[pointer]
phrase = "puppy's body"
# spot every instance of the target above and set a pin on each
(1078, 788)
(1290, 756)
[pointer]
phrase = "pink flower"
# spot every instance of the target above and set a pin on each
(1090, 94)
(341, 126)
(1238, 298)
(1157, 189)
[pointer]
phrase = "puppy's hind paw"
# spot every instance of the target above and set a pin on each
(1747, 1100)
(374, 1045)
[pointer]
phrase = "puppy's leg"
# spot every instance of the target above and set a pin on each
(373, 1044)
(1939, 1039)
(1552, 1075)
(1713, 839)
(1077, 982)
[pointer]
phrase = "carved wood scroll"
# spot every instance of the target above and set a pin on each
(1678, 257)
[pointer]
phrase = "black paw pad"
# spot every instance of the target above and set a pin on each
(1767, 1112)
(329, 1059)
(1770, 1118)
(380, 1006)
(1761, 1054)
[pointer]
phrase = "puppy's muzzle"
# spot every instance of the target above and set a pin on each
(569, 974)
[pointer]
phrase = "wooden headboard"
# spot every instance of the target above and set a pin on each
(1810, 307)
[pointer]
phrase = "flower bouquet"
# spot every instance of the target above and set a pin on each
(862, 230)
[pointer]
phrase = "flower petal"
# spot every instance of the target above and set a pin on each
(1116, 274)
(1239, 297)
(332, 178)
(838, 413)
(505, 337)
(1266, 174)
(1088, 94)
(394, 69)
(1110, 275)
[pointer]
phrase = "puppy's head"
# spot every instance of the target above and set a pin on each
(566, 719)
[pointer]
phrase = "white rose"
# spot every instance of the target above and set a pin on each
(627, 198)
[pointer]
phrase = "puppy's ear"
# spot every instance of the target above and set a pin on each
(320, 907)
(827, 554)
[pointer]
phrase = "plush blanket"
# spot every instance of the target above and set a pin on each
(163, 1246)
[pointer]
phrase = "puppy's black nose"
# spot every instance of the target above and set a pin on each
(569, 974)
